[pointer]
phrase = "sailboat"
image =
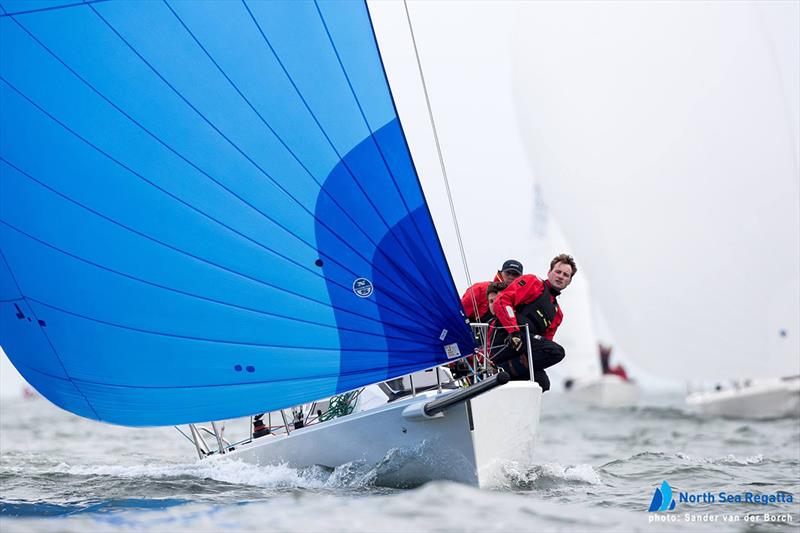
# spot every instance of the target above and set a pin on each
(669, 152)
(209, 210)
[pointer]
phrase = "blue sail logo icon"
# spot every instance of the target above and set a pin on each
(662, 499)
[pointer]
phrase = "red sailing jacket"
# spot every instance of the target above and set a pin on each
(524, 290)
(482, 301)
(618, 371)
(478, 290)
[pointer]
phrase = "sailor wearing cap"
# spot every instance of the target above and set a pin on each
(512, 269)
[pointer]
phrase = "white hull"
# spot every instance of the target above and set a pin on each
(467, 443)
(605, 391)
(763, 399)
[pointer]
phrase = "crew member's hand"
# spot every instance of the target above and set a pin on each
(515, 342)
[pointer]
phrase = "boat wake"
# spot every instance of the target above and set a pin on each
(210, 480)
(215, 468)
(548, 476)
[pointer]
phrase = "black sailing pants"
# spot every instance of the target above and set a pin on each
(545, 353)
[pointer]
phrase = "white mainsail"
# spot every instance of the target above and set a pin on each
(665, 135)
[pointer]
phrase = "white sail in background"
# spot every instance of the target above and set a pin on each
(577, 333)
(665, 135)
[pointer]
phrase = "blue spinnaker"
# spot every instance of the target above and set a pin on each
(209, 209)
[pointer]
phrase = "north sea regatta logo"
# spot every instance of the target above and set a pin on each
(662, 499)
(729, 504)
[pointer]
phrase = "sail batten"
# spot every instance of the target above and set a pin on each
(214, 214)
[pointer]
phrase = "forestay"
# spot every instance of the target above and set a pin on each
(208, 209)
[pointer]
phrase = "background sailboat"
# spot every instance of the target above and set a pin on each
(667, 141)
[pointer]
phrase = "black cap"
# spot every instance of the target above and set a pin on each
(512, 264)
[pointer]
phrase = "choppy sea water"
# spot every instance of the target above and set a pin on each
(596, 470)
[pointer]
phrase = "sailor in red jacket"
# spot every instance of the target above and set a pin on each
(475, 302)
(529, 300)
(605, 363)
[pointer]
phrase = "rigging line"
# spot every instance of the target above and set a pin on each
(400, 271)
(333, 147)
(229, 342)
(439, 153)
(46, 336)
(377, 145)
(190, 206)
(493, 346)
(51, 8)
(193, 295)
(184, 434)
(448, 280)
(474, 299)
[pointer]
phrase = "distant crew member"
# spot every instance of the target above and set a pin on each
(475, 302)
(533, 302)
(492, 292)
(605, 363)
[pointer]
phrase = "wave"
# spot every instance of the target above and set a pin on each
(230, 472)
(396, 469)
(549, 476)
(438, 506)
(661, 465)
(665, 413)
(729, 459)
(17, 509)
(670, 458)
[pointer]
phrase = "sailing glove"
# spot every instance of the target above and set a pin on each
(515, 342)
